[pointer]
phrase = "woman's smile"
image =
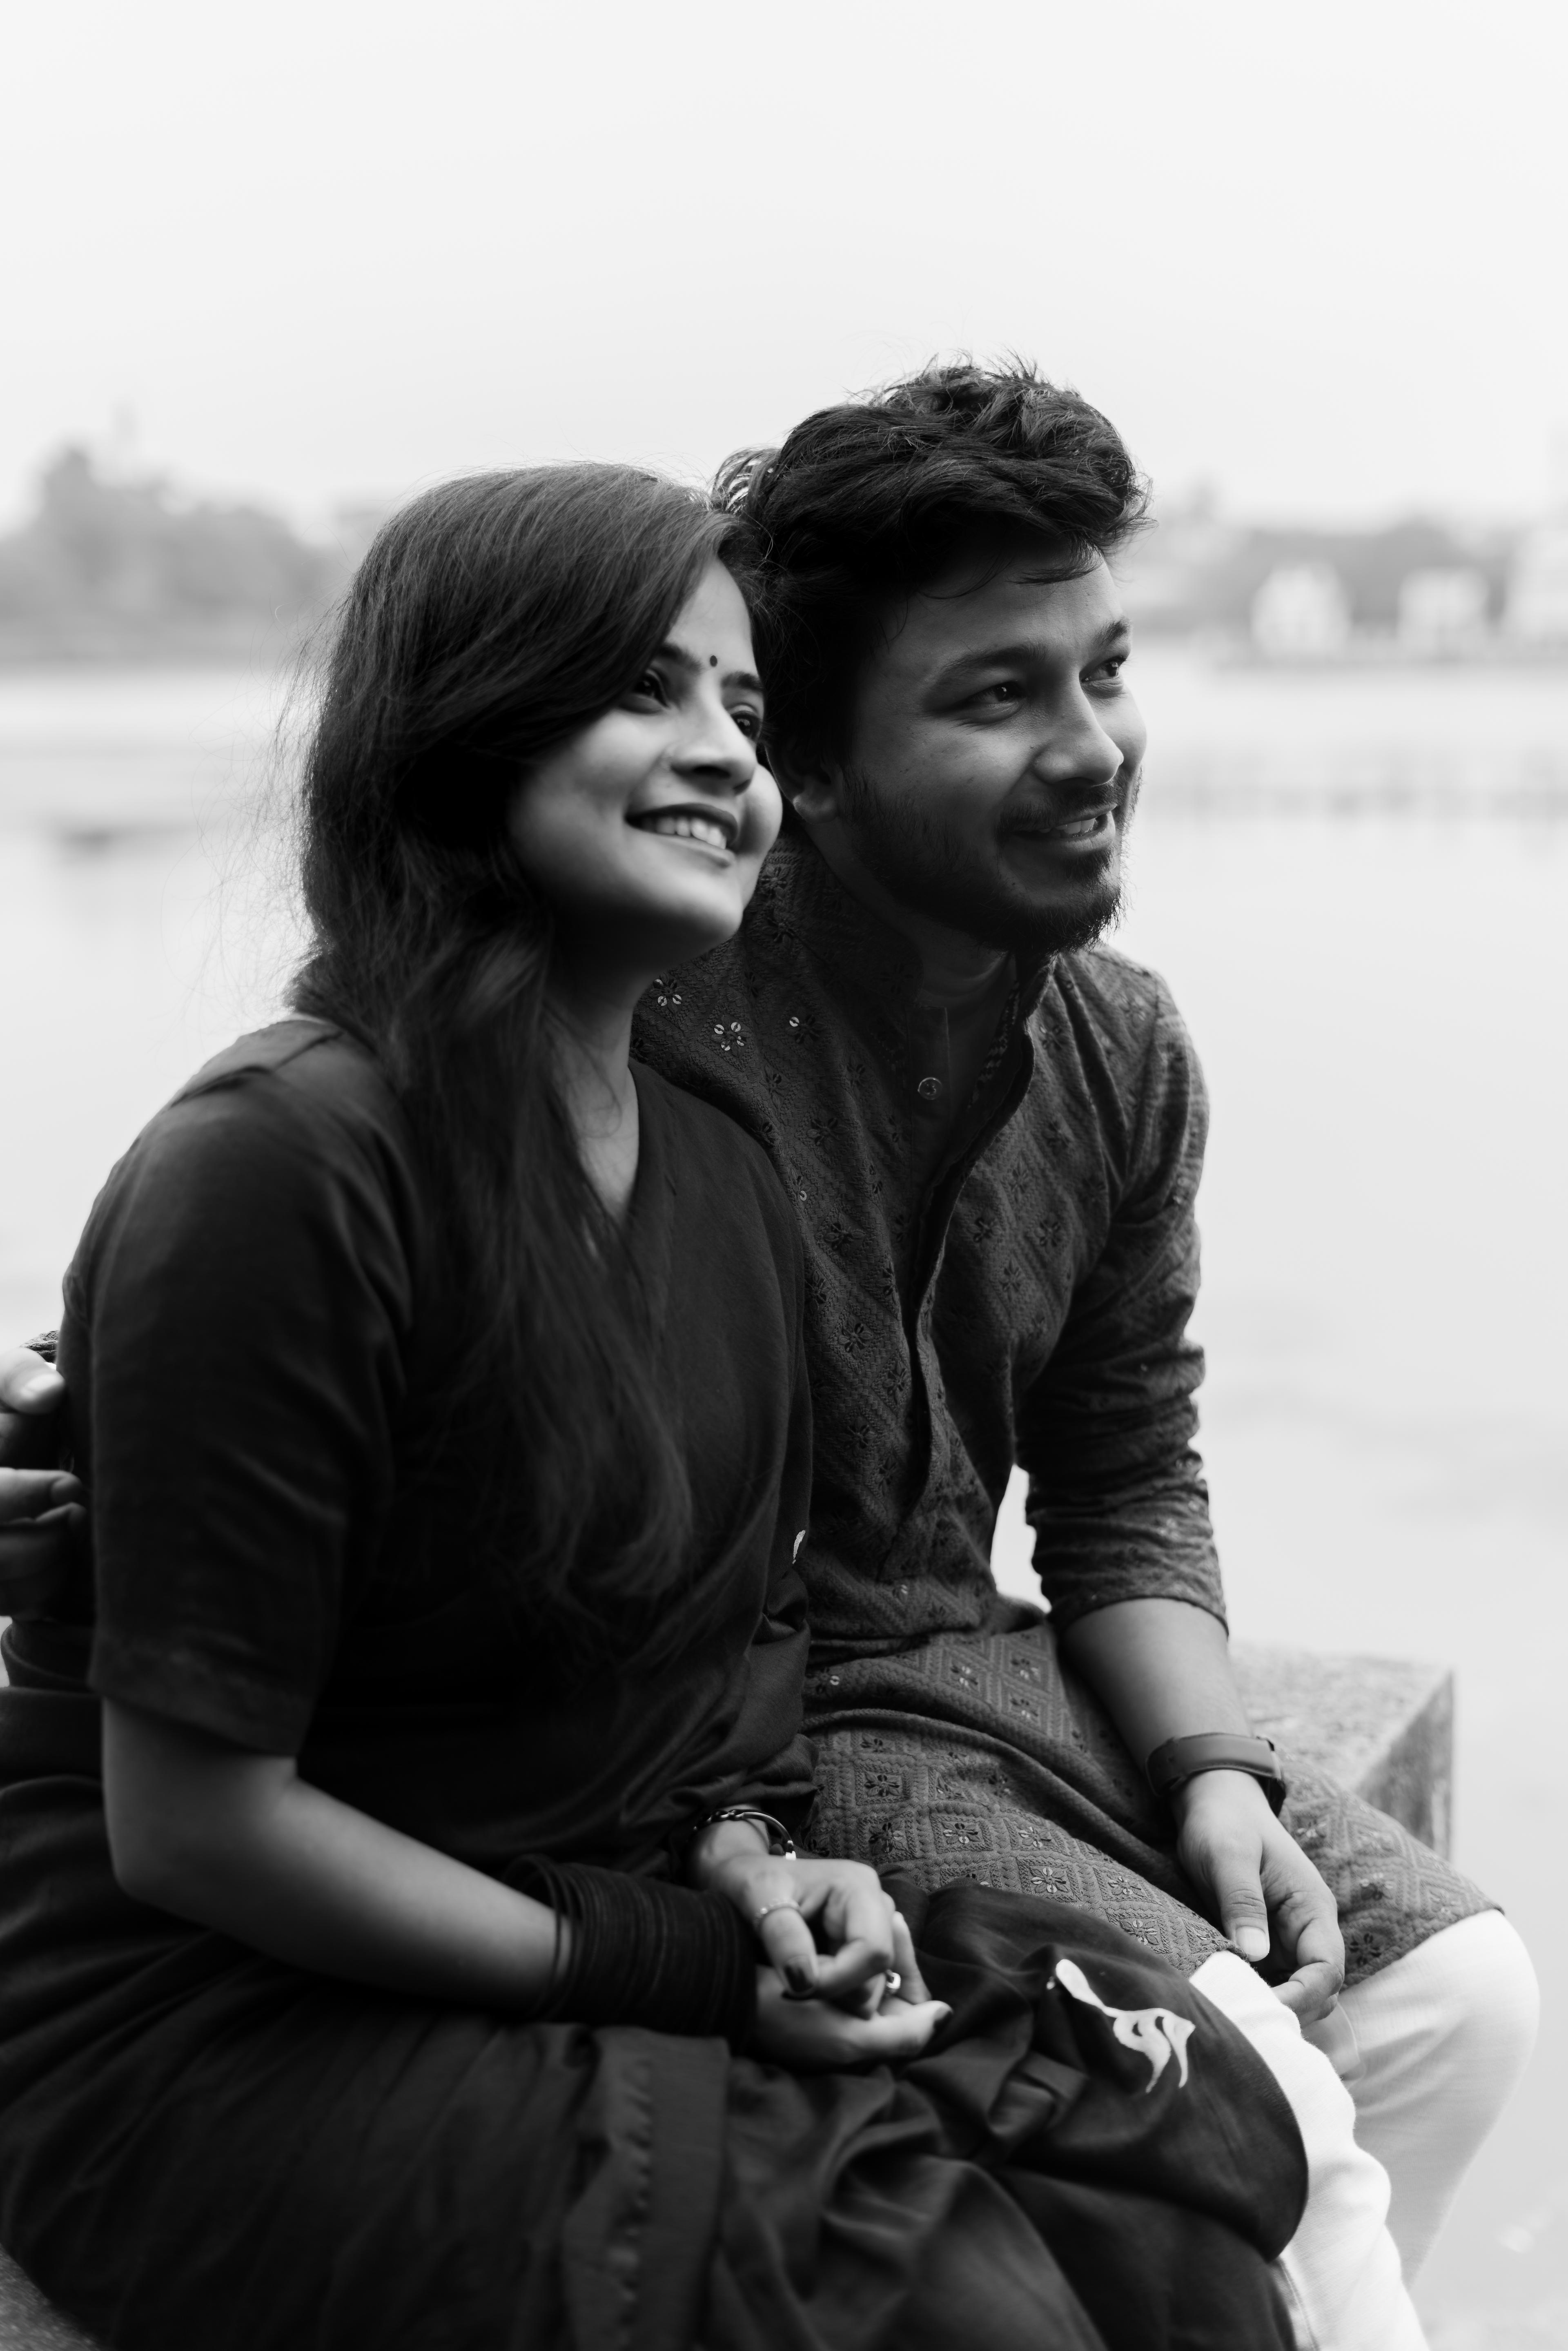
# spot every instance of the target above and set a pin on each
(712, 829)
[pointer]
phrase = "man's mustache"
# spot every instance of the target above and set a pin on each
(1071, 807)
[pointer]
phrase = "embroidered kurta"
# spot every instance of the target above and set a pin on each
(1028, 1303)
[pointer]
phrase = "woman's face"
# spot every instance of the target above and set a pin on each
(647, 831)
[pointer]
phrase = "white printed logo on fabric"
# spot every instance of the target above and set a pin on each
(1156, 2033)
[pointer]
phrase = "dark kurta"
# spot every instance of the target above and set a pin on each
(201, 2146)
(1029, 1306)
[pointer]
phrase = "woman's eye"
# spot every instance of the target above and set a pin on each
(650, 687)
(750, 723)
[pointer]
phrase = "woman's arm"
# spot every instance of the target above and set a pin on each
(239, 1841)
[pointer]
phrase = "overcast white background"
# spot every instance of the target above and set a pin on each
(1313, 254)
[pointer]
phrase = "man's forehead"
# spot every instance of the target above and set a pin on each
(1016, 597)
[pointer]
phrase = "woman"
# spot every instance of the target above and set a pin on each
(427, 1960)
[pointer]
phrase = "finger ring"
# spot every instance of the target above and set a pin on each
(768, 1907)
(893, 1981)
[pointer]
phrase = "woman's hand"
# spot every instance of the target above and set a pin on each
(1261, 1883)
(814, 2036)
(826, 1926)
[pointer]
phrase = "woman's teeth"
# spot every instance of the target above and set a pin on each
(679, 824)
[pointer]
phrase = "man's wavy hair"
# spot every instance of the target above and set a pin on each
(865, 504)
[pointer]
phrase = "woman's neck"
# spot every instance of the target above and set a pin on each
(593, 1034)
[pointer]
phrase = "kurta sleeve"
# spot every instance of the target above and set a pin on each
(237, 1319)
(1117, 1498)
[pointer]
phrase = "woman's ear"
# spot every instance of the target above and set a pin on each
(809, 781)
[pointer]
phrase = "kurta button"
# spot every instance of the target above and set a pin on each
(832, 1681)
(930, 1088)
(903, 1591)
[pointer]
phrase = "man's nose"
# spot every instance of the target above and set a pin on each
(1077, 749)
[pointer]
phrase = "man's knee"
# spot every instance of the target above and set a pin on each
(1459, 2013)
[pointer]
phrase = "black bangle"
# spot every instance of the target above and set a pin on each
(1170, 1765)
(644, 1952)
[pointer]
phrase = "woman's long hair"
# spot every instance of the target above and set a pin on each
(490, 620)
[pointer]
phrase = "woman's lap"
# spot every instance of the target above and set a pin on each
(198, 2146)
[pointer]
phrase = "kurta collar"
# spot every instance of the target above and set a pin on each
(803, 895)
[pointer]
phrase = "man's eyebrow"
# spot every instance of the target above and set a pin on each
(745, 679)
(1028, 649)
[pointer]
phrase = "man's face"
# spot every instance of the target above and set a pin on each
(993, 751)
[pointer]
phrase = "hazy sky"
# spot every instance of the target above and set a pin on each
(1313, 253)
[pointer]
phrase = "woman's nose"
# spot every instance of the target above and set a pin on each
(715, 748)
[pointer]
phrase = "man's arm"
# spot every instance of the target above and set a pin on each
(1162, 1668)
(1122, 1541)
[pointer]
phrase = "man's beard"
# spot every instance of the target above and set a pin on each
(933, 870)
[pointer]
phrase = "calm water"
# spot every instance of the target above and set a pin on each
(1358, 888)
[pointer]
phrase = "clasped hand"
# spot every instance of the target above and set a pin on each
(835, 1945)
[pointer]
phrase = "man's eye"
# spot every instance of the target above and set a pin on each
(1108, 672)
(1003, 695)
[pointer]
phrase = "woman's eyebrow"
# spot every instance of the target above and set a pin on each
(745, 679)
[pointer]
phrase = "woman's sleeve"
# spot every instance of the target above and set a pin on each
(240, 1307)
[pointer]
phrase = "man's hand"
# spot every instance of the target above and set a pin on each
(31, 1394)
(41, 1513)
(1261, 1884)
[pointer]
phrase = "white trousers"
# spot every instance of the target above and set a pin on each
(1432, 2048)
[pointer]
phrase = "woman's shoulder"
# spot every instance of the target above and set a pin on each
(699, 1127)
(294, 1117)
(710, 1145)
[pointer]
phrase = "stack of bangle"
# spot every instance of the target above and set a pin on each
(644, 1952)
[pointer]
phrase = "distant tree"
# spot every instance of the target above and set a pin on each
(125, 567)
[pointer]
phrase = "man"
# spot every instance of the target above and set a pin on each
(993, 1129)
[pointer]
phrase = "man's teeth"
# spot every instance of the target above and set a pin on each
(1077, 828)
(679, 824)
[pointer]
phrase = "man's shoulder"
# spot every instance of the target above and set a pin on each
(1113, 1056)
(1122, 996)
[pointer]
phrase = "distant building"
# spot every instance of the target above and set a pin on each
(1442, 610)
(1536, 613)
(1301, 613)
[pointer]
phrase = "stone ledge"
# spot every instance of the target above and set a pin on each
(1383, 1726)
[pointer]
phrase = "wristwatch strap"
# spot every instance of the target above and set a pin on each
(1179, 1759)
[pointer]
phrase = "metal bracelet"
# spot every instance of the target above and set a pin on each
(780, 1844)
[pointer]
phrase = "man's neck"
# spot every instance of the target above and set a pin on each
(953, 968)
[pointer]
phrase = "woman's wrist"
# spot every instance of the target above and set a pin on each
(640, 1950)
(719, 1841)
